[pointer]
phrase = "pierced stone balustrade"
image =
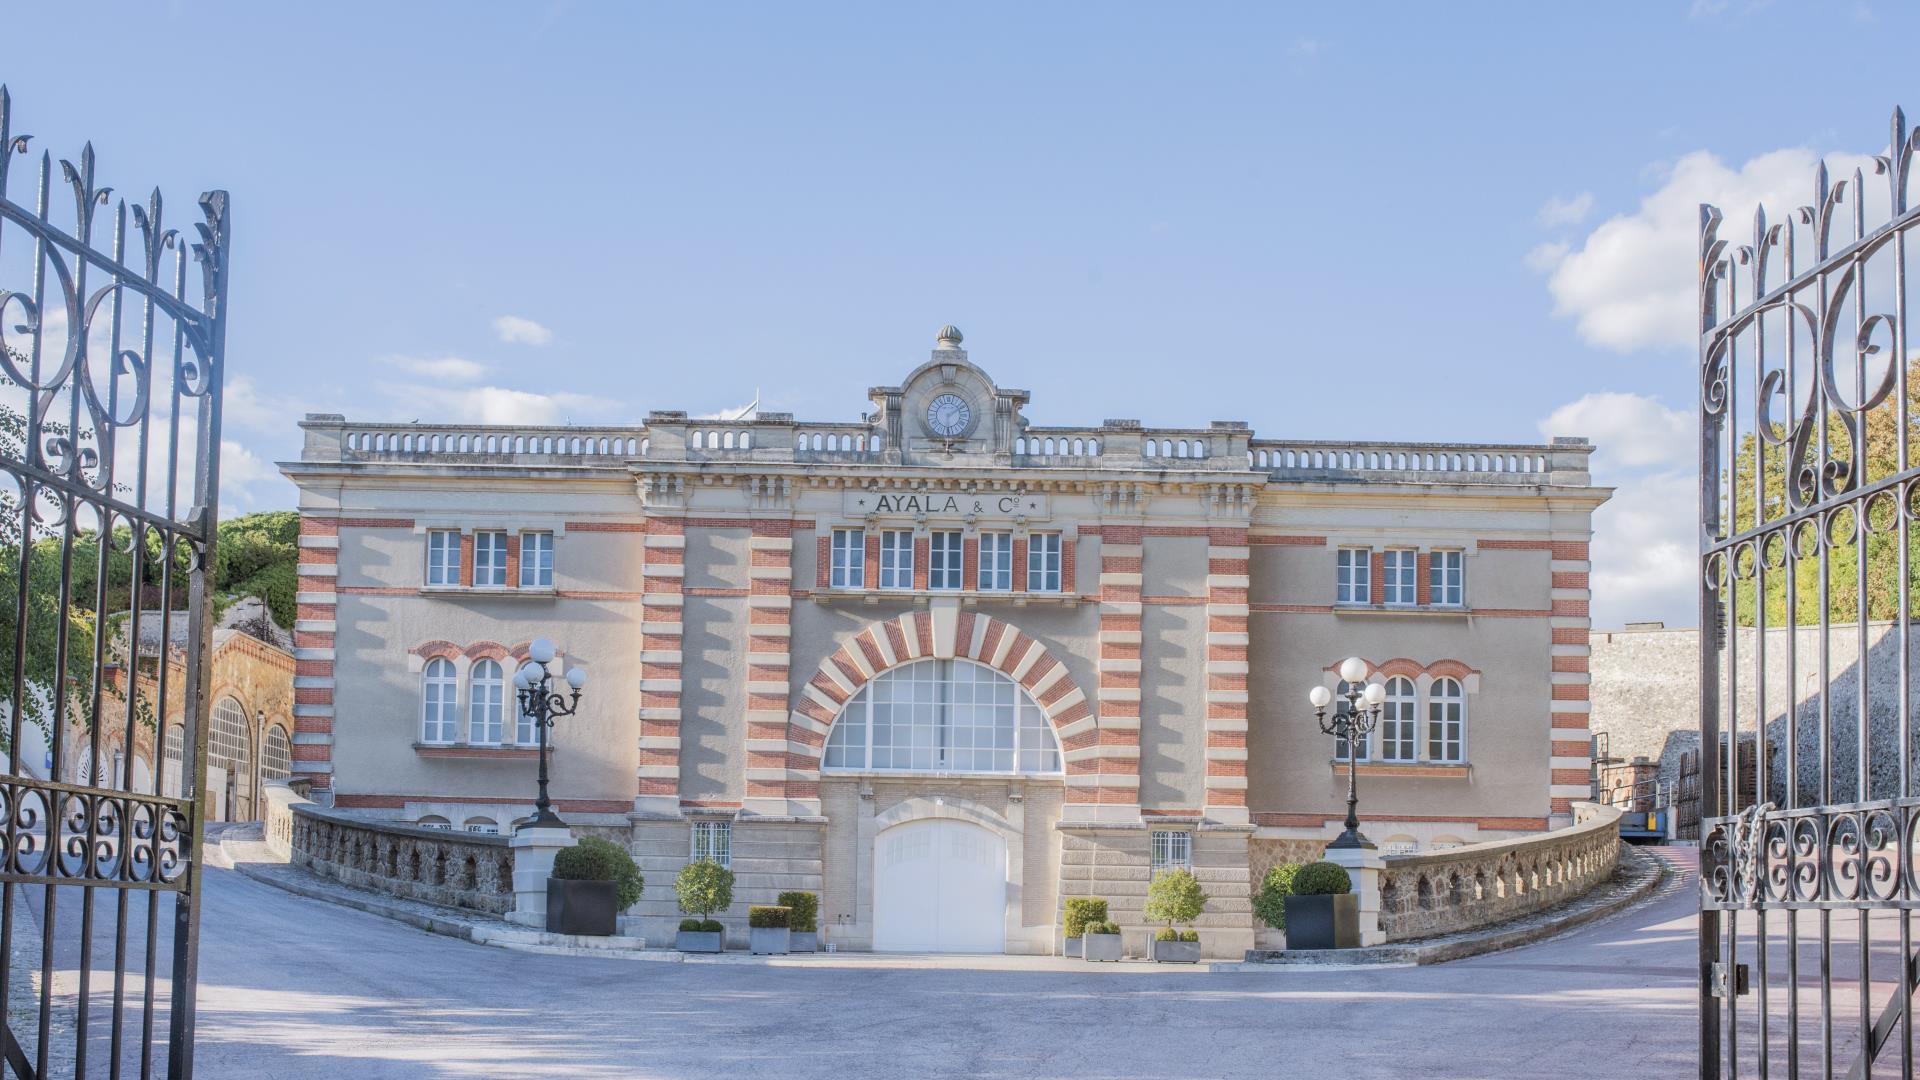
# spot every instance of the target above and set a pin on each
(1465, 888)
(452, 869)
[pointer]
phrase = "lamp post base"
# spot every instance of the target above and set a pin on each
(1350, 839)
(545, 818)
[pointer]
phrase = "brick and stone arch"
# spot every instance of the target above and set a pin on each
(943, 634)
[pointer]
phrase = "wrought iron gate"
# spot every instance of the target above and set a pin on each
(1808, 499)
(112, 358)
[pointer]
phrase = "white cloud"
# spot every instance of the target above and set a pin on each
(1630, 285)
(1628, 430)
(440, 367)
(1643, 538)
(1544, 257)
(497, 405)
(242, 474)
(1644, 554)
(515, 330)
(1558, 211)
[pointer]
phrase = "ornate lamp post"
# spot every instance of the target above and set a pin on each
(1353, 724)
(543, 704)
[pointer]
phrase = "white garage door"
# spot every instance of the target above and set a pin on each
(939, 886)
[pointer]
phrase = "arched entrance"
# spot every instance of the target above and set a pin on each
(940, 885)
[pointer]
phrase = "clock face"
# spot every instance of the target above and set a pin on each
(948, 415)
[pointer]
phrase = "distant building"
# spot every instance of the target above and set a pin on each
(939, 664)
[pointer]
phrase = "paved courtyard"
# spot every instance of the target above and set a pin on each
(300, 988)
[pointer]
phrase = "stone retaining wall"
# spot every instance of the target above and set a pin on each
(460, 870)
(1466, 888)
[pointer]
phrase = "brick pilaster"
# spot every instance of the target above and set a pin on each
(1377, 578)
(1228, 583)
(513, 560)
(773, 784)
(663, 576)
(466, 560)
(1117, 784)
(317, 601)
(922, 555)
(1570, 752)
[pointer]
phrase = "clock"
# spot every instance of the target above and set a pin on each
(948, 415)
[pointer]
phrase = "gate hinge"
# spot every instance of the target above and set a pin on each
(1740, 984)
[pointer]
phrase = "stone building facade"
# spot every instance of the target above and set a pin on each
(943, 665)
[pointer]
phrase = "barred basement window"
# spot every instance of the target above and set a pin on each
(848, 568)
(443, 557)
(490, 558)
(945, 563)
(1447, 578)
(1172, 851)
(713, 841)
(896, 559)
(996, 562)
(1043, 562)
(1355, 577)
(536, 560)
(1399, 567)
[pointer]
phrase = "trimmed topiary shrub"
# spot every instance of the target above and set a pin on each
(1189, 935)
(805, 911)
(1083, 910)
(692, 926)
(703, 888)
(1270, 903)
(1103, 928)
(1166, 933)
(768, 917)
(594, 859)
(1322, 879)
(1175, 896)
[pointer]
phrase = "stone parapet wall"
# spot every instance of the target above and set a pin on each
(460, 870)
(1466, 888)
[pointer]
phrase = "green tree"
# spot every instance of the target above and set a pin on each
(259, 555)
(703, 887)
(1175, 896)
(1270, 903)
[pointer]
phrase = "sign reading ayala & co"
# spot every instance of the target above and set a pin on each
(990, 504)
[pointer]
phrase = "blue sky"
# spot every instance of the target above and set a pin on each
(1397, 221)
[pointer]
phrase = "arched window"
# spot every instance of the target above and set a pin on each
(276, 754)
(1446, 721)
(434, 821)
(230, 748)
(1398, 722)
(523, 732)
(440, 694)
(943, 716)
(485, 826)
(486, 718)
(1340, 708)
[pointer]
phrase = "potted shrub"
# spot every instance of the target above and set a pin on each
(591, 884)
(702, 888)
(1173, 897)
(1101, 941)
(769, 931)
(1270, 902)
(1322, 912)
(1081, 911)
(802, 920)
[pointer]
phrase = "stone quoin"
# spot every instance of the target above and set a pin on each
(940, 665)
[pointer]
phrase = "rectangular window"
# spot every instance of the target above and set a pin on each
(489, 558)
(536, 560)
(896, 559)
(713, 840)
(945, 564)
(1356, 577)
(1447, 578)
(1399, 568)
(443, 557)
(1172, 851)
(996, 562)
(848, 570)
(1043, 562)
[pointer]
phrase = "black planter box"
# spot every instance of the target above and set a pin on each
(581, 907)
(1323, 922)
